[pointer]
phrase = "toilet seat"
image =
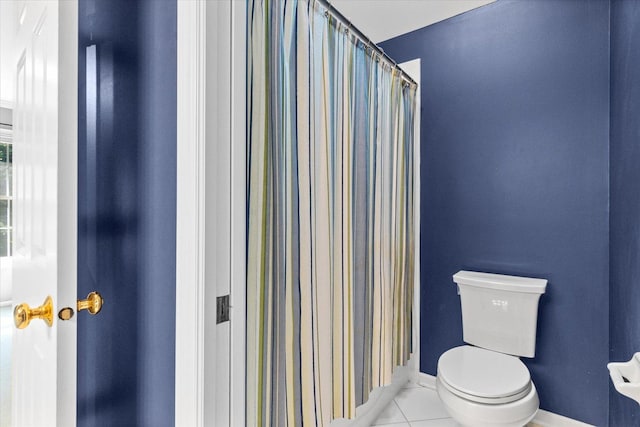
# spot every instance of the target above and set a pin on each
(483, 376)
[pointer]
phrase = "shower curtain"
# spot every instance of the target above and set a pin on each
(330, 261)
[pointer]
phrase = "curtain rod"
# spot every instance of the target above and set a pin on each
(366, 40)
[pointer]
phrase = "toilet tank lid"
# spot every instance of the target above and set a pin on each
(501, 282)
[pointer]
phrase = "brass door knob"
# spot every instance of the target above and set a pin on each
(23, 314)
(93, 303)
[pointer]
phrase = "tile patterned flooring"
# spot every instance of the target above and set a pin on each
(415, 406)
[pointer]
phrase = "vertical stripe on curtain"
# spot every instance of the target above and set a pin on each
(330, 217)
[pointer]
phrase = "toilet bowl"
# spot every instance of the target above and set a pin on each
(485, 384)
(483, 388)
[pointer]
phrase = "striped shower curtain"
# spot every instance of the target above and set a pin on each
(330, 263)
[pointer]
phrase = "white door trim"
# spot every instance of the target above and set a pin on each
(210, 103)
(190, 231)
(238, 210)
(67, 208)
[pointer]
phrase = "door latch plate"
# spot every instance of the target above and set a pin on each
(222, 309)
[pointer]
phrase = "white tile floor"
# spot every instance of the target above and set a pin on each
(415, 406)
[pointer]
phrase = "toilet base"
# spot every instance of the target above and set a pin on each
(472, 414)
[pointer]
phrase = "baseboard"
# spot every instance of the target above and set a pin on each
(426, 380)
(542, 419)
(549, 419)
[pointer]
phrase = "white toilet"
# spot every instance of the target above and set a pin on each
(485, 384)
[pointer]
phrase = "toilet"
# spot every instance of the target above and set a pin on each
(485, 384)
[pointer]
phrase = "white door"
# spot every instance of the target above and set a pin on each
(44, 159)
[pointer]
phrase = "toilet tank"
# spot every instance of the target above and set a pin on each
(499, 312)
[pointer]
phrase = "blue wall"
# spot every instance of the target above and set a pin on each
(126, 209)
(625, 197)
(515, 180)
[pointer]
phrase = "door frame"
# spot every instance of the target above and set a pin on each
(200, 343)
(190, 286)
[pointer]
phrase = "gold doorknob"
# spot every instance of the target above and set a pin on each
(23, 314)
(93, 303)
